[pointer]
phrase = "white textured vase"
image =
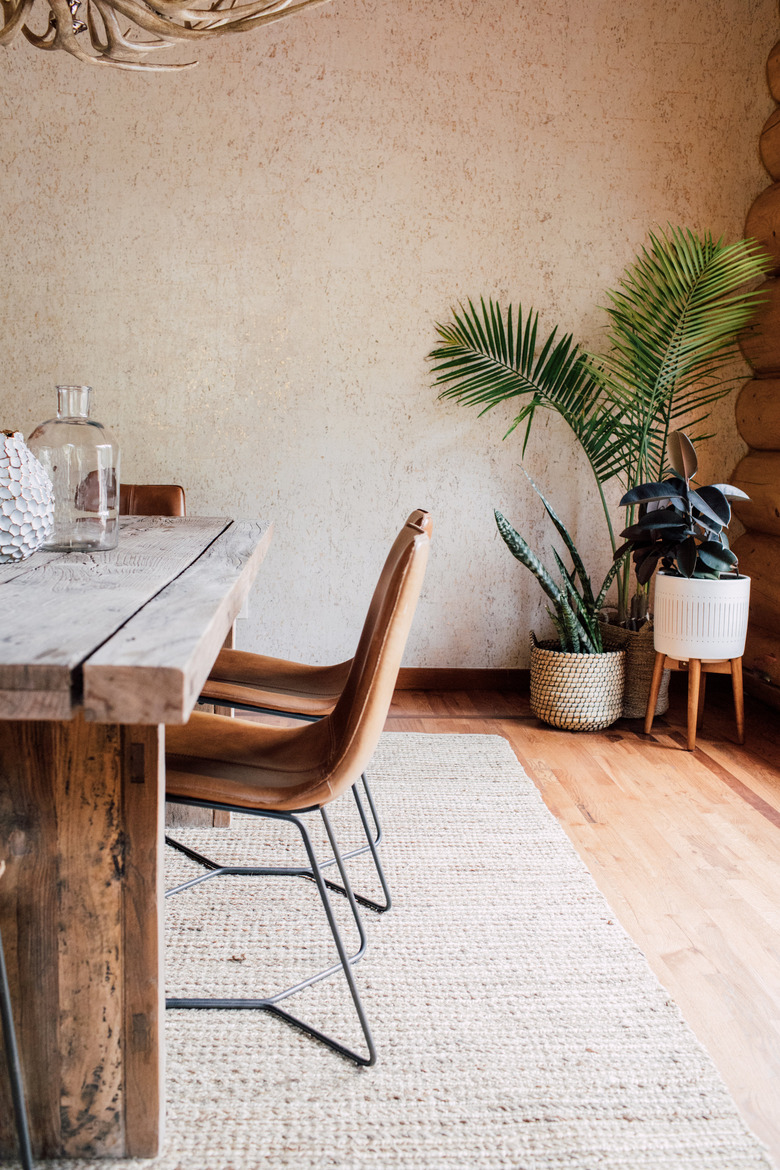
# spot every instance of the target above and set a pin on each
(26, 499)
(701, 619)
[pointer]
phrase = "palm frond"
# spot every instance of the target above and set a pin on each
(488, 355)
(672, 324)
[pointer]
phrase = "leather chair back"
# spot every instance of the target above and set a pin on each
(151, 499)
(359, 716)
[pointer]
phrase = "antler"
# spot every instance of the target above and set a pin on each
(99, 40)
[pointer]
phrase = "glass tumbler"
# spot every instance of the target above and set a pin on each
(81, 458)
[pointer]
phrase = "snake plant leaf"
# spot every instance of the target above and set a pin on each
(519, 549)
(681, 455)
(581, 611)
(563, 532)
(611, 574)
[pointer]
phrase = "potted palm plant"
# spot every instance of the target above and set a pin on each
(672, 326)
(576, 682)
(701, 600)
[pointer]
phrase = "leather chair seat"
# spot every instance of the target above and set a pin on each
(275, 683)
(251, 765)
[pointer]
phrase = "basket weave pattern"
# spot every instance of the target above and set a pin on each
(640, 659)
(577, 692)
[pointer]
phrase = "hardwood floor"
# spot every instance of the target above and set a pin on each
(685, 847)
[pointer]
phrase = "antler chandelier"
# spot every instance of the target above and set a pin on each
(104, 38)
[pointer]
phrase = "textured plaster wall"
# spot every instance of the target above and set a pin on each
(246, 261)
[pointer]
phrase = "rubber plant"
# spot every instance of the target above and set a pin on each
(672, 328)
(681, 526)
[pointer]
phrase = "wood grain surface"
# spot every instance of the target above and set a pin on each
(59, 611)
(80, 828)
(758, 413)
(153, 669)
(758, 474)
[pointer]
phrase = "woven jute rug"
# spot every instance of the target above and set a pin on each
(517, 1024)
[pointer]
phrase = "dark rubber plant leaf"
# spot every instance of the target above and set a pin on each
(686, 557)
(715, 557)
(681, 455)
(668, 490)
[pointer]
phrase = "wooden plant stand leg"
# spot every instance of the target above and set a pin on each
(702, 693)
(655, 688)
(694, 680)
(739, 697)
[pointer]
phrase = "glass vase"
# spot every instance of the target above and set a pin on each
(81, 458)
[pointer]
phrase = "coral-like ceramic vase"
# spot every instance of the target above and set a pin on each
(26, 499)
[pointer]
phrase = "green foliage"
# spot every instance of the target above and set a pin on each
(682, 527)
(672, 326)
(575, 609)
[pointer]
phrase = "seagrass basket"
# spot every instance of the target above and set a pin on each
(640, 659)
(576, 692)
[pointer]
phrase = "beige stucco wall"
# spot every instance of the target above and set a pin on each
(246, 261)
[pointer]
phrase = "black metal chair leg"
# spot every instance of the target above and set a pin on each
(344, 964)
(377, 907)
(14, 1066)
(304, 871)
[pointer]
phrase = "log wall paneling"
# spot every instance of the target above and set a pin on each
(769, 145)
(773, 72)
(762, 656)
(758, 474)
(758, 413)
(760, 342)
(763, 222)
(758, 419)
(759, 558)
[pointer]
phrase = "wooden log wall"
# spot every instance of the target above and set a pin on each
(758, 420)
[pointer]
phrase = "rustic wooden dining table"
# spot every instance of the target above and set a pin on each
(97, 653)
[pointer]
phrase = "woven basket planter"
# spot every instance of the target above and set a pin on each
(640, 659)
(577, 692)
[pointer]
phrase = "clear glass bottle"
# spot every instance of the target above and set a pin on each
(82, 461)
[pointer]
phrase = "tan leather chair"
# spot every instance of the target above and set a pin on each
(12, 1060)
(279, 772)
(276, 686)
(151, 499)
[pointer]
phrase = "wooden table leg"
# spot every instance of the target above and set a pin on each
(739, 697)
(81, 912)
(694, 679)
(655, 688)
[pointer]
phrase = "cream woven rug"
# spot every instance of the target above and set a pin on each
(517, 1025)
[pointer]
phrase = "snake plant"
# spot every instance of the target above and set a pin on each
(673, 321)
(575, 608)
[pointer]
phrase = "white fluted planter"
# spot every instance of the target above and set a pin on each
(701, 619)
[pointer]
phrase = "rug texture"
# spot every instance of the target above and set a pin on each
(517, 1025)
